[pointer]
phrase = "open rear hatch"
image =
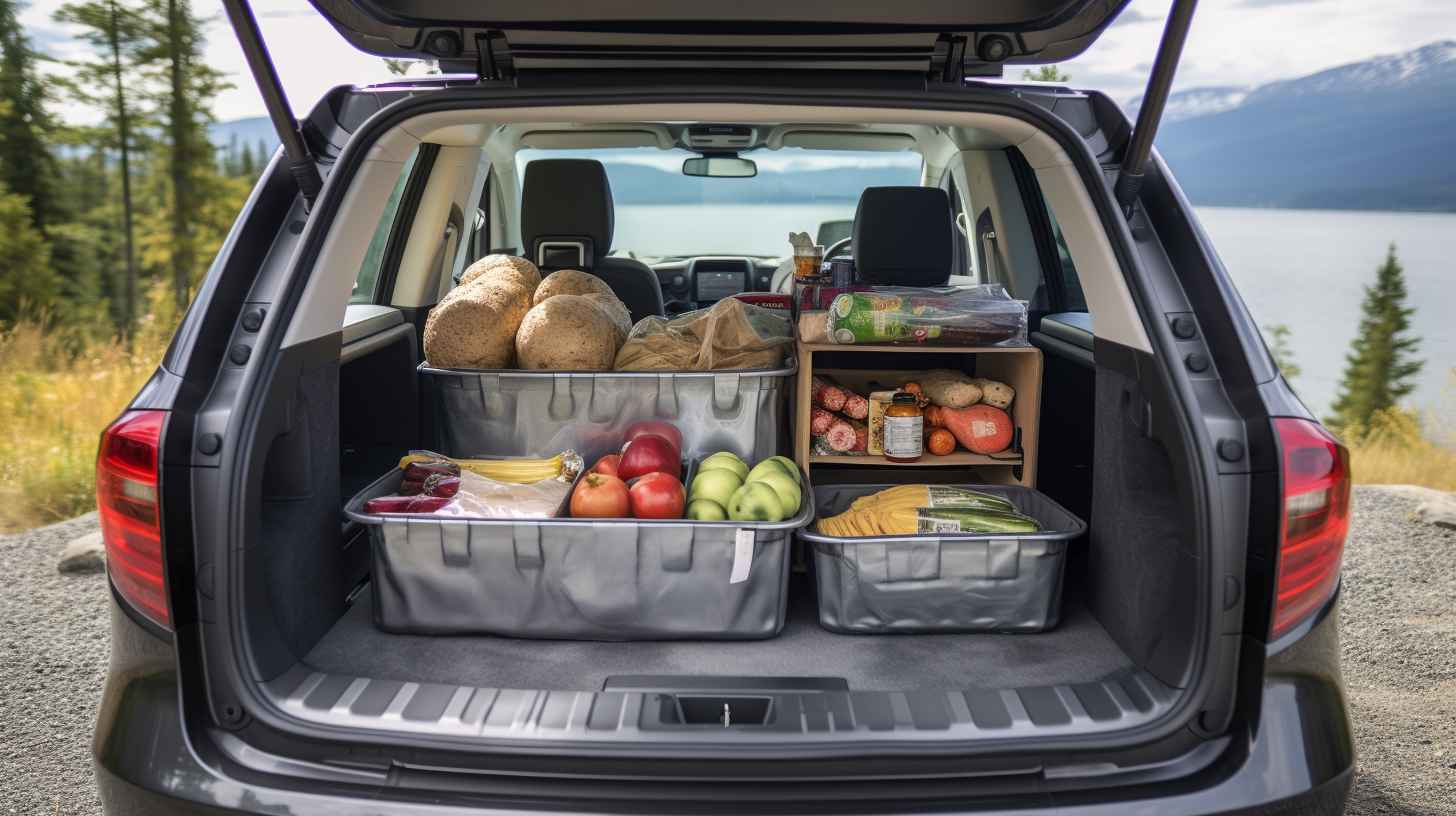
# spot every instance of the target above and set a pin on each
(501, 37)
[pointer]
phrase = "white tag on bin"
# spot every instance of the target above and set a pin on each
(742, 556)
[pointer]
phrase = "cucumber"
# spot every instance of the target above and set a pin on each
(955, 498)
(947, 520)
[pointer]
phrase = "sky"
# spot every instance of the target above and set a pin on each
(1233, 42)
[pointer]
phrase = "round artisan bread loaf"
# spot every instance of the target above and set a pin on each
(567, 332)
(570, 282)
(616, 310)
(474, 326)
(503, 268)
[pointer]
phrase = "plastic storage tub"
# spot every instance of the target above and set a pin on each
(942, 583)
(582, 579)
(527, 413)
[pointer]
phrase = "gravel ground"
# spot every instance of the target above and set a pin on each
(1399, 636)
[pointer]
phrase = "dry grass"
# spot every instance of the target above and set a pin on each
(1397, 449)
(58, 391)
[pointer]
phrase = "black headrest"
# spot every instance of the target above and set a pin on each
(563, 199)
(903, 236)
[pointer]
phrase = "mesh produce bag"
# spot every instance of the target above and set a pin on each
(729, 335)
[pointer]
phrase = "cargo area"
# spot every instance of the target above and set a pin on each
(787, 399)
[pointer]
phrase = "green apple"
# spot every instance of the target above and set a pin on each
(788, 492)
(724, 460)
(706, 510)
(715, 485)
(789, 465)
(764, 468)
(755, 501)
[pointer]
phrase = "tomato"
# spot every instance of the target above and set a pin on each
(657, 496)
(598, 495)
(666, 430)
(940, 442)
(648, 453)
(607, 464)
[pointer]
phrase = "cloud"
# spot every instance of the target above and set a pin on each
(1272, 3)
(1131, 16)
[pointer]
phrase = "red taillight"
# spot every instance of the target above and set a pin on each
(127, 499)
(1315, 521)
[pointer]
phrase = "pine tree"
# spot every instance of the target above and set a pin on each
(1381, 365)
(1047, 73)
(114, 30)
(184, 109)
(1281, 351)
(27, 167)
(26, 279)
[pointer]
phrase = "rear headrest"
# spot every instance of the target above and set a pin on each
(903, 236)
(566, 199)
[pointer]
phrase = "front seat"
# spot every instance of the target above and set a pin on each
(566, 223)
(904, 236)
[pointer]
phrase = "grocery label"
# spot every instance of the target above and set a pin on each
(742, 556)
(980, 427)
(942, 496)
(936, 525)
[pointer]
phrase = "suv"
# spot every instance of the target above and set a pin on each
(1196, 665)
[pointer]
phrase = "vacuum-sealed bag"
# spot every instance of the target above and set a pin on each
(983, 315)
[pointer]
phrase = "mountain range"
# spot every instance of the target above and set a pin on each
(1373, 135)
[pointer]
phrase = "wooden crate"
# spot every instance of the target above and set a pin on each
(1018, 367)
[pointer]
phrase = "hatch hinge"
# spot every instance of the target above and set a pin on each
(489, 64)
(953, 68)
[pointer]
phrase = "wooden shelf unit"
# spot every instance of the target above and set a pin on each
(1020, 367)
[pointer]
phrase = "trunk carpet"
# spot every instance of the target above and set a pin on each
(1078, 650)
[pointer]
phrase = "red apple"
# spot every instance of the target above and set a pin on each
(657, 496)
(598, 495)
(649, 453)
(666, 430)
(607, 464)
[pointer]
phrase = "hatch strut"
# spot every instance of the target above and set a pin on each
(1160, 82)
(300, 161)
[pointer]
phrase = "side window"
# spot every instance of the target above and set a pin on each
(1071, 285)
(368, 278)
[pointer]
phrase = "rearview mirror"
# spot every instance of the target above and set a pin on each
(720, 167)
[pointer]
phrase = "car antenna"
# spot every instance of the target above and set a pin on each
(300, 161)
(1160, 82)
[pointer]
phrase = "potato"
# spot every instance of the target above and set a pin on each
(996, 394)
(949, 389)
(570, 282)
(474, 326)
(503, 268)
(567, 332)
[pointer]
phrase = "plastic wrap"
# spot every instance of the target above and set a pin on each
(983, 315)
(729, 335)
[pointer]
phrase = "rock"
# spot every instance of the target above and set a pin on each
(84, 555)
(1438, 509)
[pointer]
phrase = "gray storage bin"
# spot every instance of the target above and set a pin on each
(582, 579)
(529, 413)
(942, 583)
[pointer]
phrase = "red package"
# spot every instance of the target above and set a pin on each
(819, 421)
(767, 300)
(405, 504)
(856, 407)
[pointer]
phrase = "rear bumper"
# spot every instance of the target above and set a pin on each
(1300, 759)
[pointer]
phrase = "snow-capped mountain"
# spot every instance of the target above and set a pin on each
(1196, 102)
(1378, 134)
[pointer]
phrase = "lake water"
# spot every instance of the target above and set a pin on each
(1304, 269)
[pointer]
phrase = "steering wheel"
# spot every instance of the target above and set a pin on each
(838, 246)
(785, 273)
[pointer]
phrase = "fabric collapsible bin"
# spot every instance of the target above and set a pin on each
(942, 582)
(527, 413)
(582, 579)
